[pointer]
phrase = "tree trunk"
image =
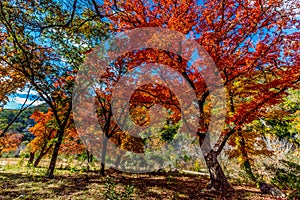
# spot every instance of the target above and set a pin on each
(89, 159)
(42, 154)
(37, 161)
(89, 156)
(218, 180)
(31, 158)
(118, 161)
(246, 161)
(102, 172)
(51, 168)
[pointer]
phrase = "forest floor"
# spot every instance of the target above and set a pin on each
(19, 182)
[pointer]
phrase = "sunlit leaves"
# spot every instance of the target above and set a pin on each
(45, 134)
(248, 40)
(10, 142)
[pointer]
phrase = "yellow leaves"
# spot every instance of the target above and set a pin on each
(237, 83)
(230, 114)
(240, 159)
(131, 143)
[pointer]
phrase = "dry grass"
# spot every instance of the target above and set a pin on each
(19, 182)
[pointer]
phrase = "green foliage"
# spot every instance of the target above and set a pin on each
(83, 157)
(22, 122)
(169, 132)
(10, 154)
(283, 120)
(112, 193)
(287, 176)
(72, 169)
(246, 166)
(197, 166)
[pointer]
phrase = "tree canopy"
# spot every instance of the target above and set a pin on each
(254, 46)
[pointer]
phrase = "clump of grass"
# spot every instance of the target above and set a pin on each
(111, 192)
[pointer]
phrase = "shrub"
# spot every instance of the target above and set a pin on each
(111, 192)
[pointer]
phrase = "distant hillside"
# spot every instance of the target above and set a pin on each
(22, 123)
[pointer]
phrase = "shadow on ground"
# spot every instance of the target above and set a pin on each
(91, 186)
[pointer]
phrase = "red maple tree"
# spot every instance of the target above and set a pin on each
(254, 44)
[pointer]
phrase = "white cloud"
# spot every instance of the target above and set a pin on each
(25, 91)
(292, 6)
(20, 101)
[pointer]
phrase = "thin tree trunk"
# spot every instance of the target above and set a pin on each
(42, 154)
(246, 161)
(218, 180)
(51, 168)
(31, 158)
(102, 170)
(88, 155)
(37, 161)
(118, 161)
(91, 158)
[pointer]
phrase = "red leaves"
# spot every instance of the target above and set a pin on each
(257, 59)
(179, 16)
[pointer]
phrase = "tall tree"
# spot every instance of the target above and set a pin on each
(45, 131)
(256, 41)
(44, 44)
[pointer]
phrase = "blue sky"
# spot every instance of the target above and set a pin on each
(17, 100)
